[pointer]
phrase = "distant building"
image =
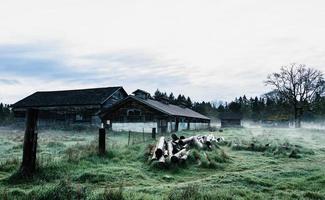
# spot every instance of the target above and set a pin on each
(69, 106)
(276, 121)
(229, 119)
(141, 113)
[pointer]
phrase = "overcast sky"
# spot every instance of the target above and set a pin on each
(208, 50)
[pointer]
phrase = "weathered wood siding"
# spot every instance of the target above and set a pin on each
(198, 125)
(134, 126)
(133, 111)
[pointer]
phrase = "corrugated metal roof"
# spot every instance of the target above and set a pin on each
(171, 109)
(93, 96)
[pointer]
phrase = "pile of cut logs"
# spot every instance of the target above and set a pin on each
(177, 149)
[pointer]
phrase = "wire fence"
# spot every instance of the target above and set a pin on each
(132, 138)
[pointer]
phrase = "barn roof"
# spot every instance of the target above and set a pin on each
(168, 109)
(231, 115)
(93, 96)
(140, 91)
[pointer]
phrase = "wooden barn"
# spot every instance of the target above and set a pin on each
(229, 119)
(69, 106)
(141, 113)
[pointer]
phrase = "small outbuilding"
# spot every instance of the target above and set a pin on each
(141, 113)
(230, 119)
(276, 121)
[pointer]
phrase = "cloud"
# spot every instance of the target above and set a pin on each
(8, 81)
(204, 49)
(136, 67)
(131, 68)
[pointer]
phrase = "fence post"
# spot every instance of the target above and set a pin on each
(129, 138)
(143, 135)
(102, 141)
(153, 133)
(30, 143)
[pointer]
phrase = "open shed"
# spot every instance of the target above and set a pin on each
(69, 106)
(141, 113)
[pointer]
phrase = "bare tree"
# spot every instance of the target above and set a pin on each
(298, 84)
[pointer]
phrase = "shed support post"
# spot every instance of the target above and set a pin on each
(153, 133)
(102, 141)
(176, 124)
(27, 167)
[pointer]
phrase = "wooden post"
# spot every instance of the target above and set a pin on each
(153, 133)
(102, 141)
(176, 124)
(30, 143)
(129, 138)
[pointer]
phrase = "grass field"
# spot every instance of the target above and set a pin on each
(281, 164)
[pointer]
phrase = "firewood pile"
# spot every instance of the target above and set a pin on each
(177, 149)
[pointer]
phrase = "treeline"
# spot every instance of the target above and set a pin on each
(6, 115)
(271, 106)
(179, 100)
(268, 106)
(206, 108)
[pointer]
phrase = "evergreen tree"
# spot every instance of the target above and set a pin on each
(171, 98)
(221, 108)
(157, 95)
(189, 103)
(6, 115)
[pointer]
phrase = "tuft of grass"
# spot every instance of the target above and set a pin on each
(272, 149)
(17, 147)
(95, 177)
(9, 164)
(49, 172)
(294, 154)
(194, 156)
(113, 194)
(75, 153)
(314, 195)
(219, 156)
(190, 192)
(54, 144)
(62, 190)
